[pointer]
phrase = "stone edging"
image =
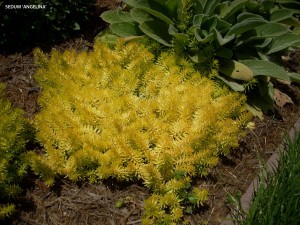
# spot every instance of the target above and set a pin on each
(272, 164)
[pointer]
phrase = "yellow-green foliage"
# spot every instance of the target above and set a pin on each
(117, 113)
(13, 137)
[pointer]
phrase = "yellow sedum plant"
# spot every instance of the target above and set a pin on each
(118, 113)
(15, 133)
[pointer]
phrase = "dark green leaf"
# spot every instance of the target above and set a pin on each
(157, 30)
(223, 9)
(116, 16)
(171, 6)
(183, 38)
(198, 8)
(292, 21)
(266, 68)
(202, 37)
(232, 83)
(125, 29)
(267, 4)
(222, 24)
(210, 6)
(295, 77)
(198, 19)
(245, 25)
(271, 30)
(292, 5)
(247, 15)
(280, 14)
(256, 111)
(224, 53)
(221, 40)
(140, 15)
(111, 16)
(234, 7)
(125, 16)
(209, 24)
(155, 9)
(283, 42)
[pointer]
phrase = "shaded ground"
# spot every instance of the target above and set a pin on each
(76, 204)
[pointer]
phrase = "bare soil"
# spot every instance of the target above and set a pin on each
(83, 203)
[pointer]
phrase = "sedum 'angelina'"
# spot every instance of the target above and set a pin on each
(118, 113)
(15, 132)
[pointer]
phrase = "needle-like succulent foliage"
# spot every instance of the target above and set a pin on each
(13, 137)
(119, 113)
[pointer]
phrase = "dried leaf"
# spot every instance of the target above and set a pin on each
(281, 99)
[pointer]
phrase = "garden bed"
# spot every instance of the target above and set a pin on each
(111, 202)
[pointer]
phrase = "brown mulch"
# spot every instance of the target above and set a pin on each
(113, 203)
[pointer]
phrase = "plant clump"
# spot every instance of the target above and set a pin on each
(118, 113)
(14, 134)
(248, 37)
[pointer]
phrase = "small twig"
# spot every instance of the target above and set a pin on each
(124, 220)
(210, 215)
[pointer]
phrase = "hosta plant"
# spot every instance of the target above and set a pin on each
(14, 134)
(248, 36)
(117, 113)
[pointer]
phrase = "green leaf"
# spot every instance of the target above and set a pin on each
(198, 19)
(198, 8)
(111, 16)
(158, 31)
(155, 9)
(266, 68)
(292, 5)
(210, 6)
(76, 26)
(295, 77)
(109, 38)
(280, 14)
(202, 37)
(221, 40)
(125, 29)
(264, 98)
(265, 33)
(292, 21)
(209, 24)
(171, 6)
(202, 3)
(183, 38)
(222, 24)
(224, 53)
(116, 16)
(267, 4)
(271, 30)
(256, 111)
(234, 7)
(125, 16)
(296, 31)
(235, 70)
(140, 15)
(223, 9)
(232, 83)
(283, 42)
(245, 25)
(265, 42)
(247, 15)
(131, 3)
